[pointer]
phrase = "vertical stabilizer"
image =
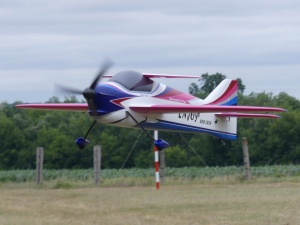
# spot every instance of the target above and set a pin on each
(224, 94)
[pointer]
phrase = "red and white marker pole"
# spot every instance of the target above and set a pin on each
(156, 161)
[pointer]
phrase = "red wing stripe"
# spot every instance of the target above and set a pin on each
(202, 109)
(80, 107)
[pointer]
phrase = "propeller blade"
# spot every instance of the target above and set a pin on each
(103, 70)
(90, 92)
(65, 89)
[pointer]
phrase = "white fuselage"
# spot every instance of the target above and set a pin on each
(186, 122)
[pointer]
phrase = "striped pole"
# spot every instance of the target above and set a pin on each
(156, 161)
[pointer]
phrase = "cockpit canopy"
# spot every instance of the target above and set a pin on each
(133, 81)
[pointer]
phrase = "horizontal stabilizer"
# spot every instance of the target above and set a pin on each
(76, 107)
(152, 75)
(247, 115)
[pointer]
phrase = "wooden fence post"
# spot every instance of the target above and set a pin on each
(162, 165)
(97, 164)
(39, 164)
(246, 160)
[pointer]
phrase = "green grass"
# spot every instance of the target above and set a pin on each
(188, 203)
(211, 195)
(144, 177)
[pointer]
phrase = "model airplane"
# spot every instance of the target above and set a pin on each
(132, 99)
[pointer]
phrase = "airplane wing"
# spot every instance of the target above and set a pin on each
(76, 107)
(152, 75)
(221, 111)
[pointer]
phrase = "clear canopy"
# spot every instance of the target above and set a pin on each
(133, 81)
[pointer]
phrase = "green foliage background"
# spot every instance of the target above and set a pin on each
(270, 141)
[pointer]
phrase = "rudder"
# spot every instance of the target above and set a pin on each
(224, 94)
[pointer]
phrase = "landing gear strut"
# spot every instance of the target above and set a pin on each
(82, 141)
(160, 144)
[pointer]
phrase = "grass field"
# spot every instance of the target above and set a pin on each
(214, 196)
(259, 202)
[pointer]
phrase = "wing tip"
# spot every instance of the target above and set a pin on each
(82, 107)
(23, 106)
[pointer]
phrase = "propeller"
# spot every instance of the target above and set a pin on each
(89, 93)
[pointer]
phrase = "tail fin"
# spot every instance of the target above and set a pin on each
(224, 94)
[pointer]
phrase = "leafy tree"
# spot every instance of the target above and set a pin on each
(12, 141)
(175, 156)
(209, 82)
(71, 99)
(53, 99)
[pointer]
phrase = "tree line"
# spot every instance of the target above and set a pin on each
(270, 141)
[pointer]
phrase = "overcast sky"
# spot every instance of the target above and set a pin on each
(48, 42)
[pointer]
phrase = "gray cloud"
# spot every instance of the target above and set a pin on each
(233, 37)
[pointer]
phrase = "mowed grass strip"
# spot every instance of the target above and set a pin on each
(239, 203)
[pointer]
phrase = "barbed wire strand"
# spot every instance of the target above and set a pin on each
(191, 147)
(136, 141)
